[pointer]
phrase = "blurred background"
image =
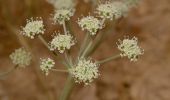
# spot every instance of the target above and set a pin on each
(146, 79)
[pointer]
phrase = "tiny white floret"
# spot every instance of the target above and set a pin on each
(130, 48)
(33, 28)
(111, 10)
(90, 24)
(119, 9)
(62, 15)
(46, 65)
(61, 42)
(85, 71)
(21, 57)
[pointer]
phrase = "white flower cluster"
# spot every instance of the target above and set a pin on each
(46, 65)
(62, 42)
(33, 27)
(58, 4)
(105, 11)
(130, 48)
(91, 24)
(112, 10)
(62, 15)
(21, 57)
(85, 71)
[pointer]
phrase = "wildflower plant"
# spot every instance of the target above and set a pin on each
(81, 68)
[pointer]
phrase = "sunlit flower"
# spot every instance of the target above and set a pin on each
(33, 27)
(21, 57)
(62, 15)
(91, 24)
(111, 10)
(62, 42)
(130, 48)
(46, 65)
(85, 71)
(58, 4)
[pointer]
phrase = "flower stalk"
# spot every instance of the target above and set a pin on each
(64, 27)
(86, 49)
(8, 72)
(84, 44)
(109, 59)
(69, 85)
(59, 70)
(46, 44)
(43, 41)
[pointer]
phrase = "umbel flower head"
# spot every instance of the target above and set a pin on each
(62, 15)
(46, 65)
(130, 48)
(58, 4)
(62, 42)
(85, 71)
(91, 24)
(105, 11)
(111, 10)
(33, 27)
(21, 57)
(119, 9)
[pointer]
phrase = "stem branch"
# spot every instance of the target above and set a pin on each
(8, 72)
(86, 49)
(84, 44)
(67, 89)
(59, 70)
(108, 59)
(43, 41)
(64, 27)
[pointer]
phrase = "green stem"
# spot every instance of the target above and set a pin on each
(97, 41)
(64, 27)
(46, 44)
(86, 49)
(60, 70)
(84, 44)
(69, 27)
(108, 59)
(67, 89)
(43, 41)
(66, 55)
(8, 72)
